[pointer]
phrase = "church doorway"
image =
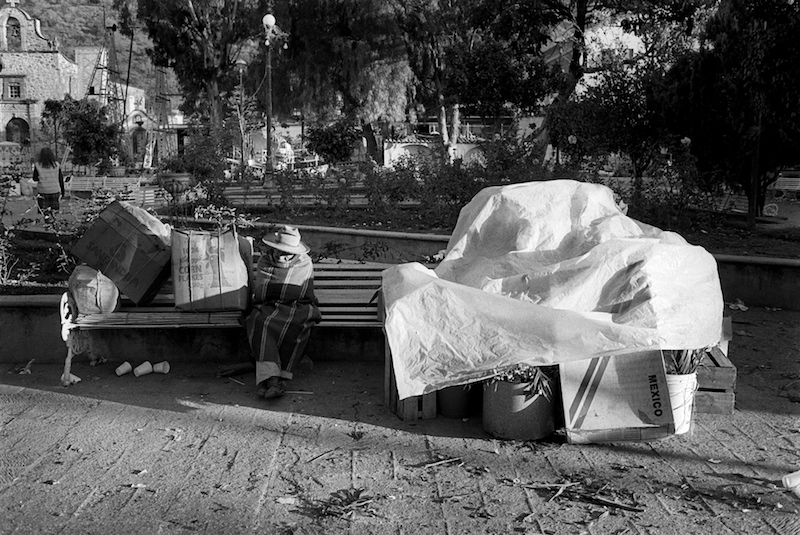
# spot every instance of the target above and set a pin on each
(18, 131)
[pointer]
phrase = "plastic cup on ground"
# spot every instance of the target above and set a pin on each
(74, 379)
(124, 368)
(161, 367)
(143, 369)
(790, 481)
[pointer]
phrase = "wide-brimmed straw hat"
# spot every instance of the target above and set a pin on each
(287, 239)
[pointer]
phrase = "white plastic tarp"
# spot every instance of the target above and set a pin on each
(542, 273)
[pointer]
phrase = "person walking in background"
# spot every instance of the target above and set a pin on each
(284, 309)
(47, 173)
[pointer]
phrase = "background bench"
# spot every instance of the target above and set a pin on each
(90, 183)
(129, 189)
(788, 183)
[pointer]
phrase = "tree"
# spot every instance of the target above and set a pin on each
(480, 55)
(243, 112)
(52, 118)
(344, 58)
(87, 130)
(664, 26)
(613, 116)
(737, 98)
(201, 41)
(334, 142)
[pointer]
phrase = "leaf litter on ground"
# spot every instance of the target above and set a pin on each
(344, 503)
(584, 489)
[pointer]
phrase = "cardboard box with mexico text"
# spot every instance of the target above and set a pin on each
(131, 247)
(616, 398)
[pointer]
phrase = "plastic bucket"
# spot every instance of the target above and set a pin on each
(511, 411)
(681, 397)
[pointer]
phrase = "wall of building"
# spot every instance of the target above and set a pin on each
(32, 71)
(32, 62)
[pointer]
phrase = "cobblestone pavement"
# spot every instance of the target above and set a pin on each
(188, 452)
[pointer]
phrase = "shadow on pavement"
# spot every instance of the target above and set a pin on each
(347, 391)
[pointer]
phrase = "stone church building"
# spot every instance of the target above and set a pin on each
(33, 70)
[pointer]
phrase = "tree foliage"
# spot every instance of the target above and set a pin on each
(85, 128)
(201, 41)
(737, 98)
(335, 141)
(613, 116)
(484, 56)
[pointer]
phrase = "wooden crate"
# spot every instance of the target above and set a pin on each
(410, 409)
(716, 380)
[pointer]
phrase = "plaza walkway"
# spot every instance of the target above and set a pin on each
(188, 452)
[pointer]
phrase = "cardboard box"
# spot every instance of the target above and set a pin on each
(131, 247)
(616, 398)
(209, 271)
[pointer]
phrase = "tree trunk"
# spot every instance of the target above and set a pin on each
(214, 105)
(752, 195)
(455, 129)
(573, 74)
(372, 142)
(443, 125)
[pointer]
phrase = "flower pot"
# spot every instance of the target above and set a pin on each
(460, 401)
(119, 171)
(175, 183)
(513, 411)
(681, 397)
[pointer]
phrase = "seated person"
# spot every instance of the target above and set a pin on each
(284, 310)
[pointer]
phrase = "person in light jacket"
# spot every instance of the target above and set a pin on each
(47, 173)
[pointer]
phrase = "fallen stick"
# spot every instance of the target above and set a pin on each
(323, 454)
(549, 485)
(445, 461)
(597, 500)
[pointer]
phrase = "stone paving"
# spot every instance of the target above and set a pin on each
(188, 452)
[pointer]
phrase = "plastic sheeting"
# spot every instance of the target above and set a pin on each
(542, 273)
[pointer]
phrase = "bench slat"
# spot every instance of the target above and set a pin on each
(359, 298)
(335, 284)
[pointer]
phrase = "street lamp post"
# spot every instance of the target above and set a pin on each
(241, 65)
(269, 26)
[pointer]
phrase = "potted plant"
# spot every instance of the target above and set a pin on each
(518, 403)
(174, 175)
(681, 366)
(121, 160)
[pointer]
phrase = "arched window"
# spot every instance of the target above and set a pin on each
(13, 34)
(17, 130)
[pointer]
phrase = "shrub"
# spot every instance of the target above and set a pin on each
(333, 142)
(672, 198)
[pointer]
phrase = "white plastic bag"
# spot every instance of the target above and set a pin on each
(28, 187)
